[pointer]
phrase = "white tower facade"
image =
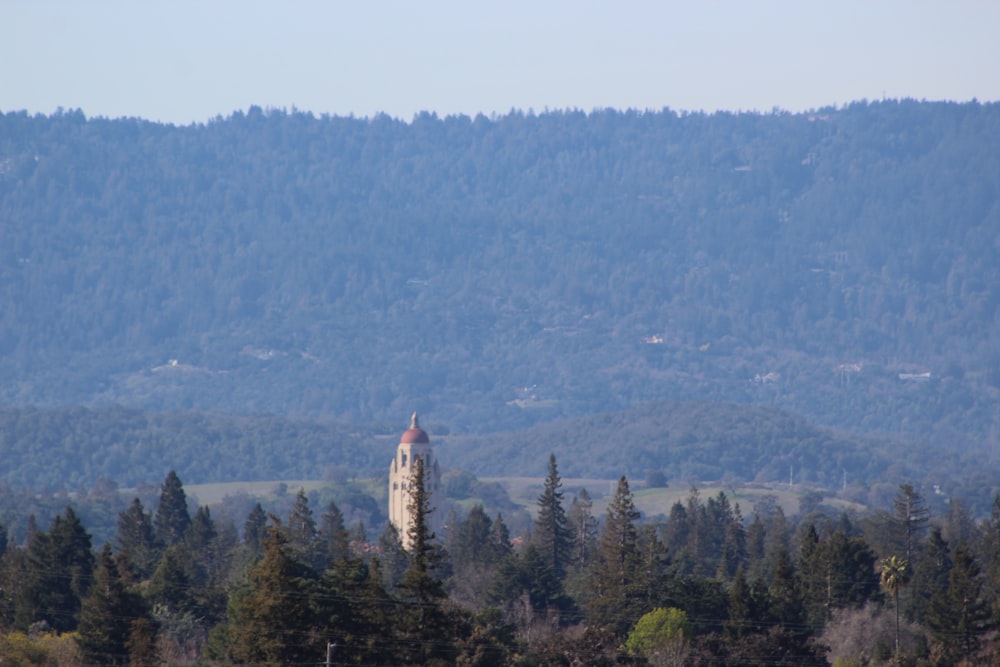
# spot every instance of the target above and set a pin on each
(413, 445)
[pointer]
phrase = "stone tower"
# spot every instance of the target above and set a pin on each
(413, 444)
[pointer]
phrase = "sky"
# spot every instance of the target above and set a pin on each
(190, 61)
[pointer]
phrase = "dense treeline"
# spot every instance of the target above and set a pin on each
(69, 447)
(81, 451)
(496, 272)
(705, 586)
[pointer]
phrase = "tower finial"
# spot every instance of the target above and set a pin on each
(414, 423)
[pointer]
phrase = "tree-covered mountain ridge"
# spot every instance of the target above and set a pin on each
(494, 273)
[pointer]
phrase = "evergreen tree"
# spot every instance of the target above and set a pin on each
(57, 574)
(474, 557)
(424, 625)
(834, 572)
(272, 622)
(756, 536)
(171, 586)
(333, 536)
(748, 604)
(552, 534)
(733, 547)
(354, 610)
(253, 529)
(172, 516)
(205, 556)
(303, 538)
(909, 521)
(616, 580)
(471, 544)
(813, 577)
(108, 616)
(199, 541)
(698, 550)
(989, 555)
(537, 579)
(500, 545)
(959, 615)
(929, 575)
(135, 539)
(676, 534)
(776, 541)
(584, 530)
(655, 568)
(394, 561)
(786, 606)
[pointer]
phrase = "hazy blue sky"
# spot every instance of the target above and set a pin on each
(186, 61)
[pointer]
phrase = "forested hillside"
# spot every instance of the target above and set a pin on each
(688, 443)
(77, 447)
(499, 272)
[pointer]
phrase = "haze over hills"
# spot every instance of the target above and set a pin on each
(494, 273)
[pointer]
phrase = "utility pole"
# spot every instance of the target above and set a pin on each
(329, 653)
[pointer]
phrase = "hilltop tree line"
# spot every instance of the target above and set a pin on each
(505, 271)
(49, 453)
(704, 586)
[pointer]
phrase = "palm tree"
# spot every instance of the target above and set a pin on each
(895, 573)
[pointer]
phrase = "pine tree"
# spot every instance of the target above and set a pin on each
(199, 541)
(135, 539)
(756, 548)
(909, 522)
(253, 529)
(748, 603)
(552, 533)
(108, 615)
(57, 573)
(333, 536)
(676, 534)
(471, 544)
(303, 538)
(615, 578)
(500, 545)
(959, 615)
(423, 624)
(171, 586)
(272, 622)
(989, 554)
(345, 596)
(835, 571)
(786, 607)
(584, 530)
(474, 557)
(206, 559)
(733, 547)
(930, 575)
(172, 516)
(393, 557)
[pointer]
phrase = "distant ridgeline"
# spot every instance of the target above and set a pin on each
(496, 273)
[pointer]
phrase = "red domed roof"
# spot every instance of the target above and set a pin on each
(414, 434)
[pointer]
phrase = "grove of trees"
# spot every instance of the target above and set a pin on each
(704, 586)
